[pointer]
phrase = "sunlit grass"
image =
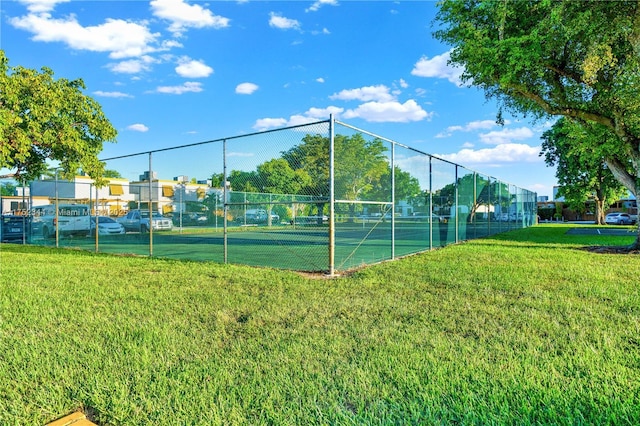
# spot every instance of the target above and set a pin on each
(519, 328)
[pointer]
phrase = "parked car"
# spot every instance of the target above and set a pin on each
(619, 219)
(106, 226)
(138, 220)
(71, 219)
(502, 217)
(198, 219)
(255, 216)
(14, 227)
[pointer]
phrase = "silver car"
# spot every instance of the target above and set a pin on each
(106, 226)
(618, 219)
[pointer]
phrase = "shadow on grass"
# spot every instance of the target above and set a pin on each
(566, 236)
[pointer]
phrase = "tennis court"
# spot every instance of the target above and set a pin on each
(284, 246)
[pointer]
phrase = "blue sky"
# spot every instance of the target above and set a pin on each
(172, 72)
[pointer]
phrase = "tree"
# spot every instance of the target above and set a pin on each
(217, 180)
(312, 155)
(571, 58)
(244, 181)
(113, 174)
(45, 119)
(474, 191)
(7, 189)
(278, 177)
(359, 165)
(407, 188)
(580, 168)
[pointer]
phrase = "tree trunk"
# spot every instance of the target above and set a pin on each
(599, 211)
(632, 183)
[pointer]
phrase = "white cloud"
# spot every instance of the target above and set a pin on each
(112, 94)
(385, 112)
(479, 125)
(438, 67)
(469, 127)
(40, 6)
(378, 93)
(504, 153)
(269, 123)
(420, 92)
(138, 128)
(506, 136)
(312, 115)
(246, 88)
(132, 66)
(283, 23)
(319, 3)
(189, 86)
(320, 80)
(190, 68)
(323, 113)
(122, 39)
(183, 15)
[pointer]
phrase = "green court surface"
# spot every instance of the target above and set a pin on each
(302, 248)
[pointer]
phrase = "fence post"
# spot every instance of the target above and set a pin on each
(150, 208)
(332, 197)
(226, 195)
(455, 222)
(393, 201)
(57, 213)
(95, 217)
(431, 204)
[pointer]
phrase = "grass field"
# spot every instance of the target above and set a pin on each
(520, 328)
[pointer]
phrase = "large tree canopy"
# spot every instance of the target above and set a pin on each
(45, 119)
(580, 170)
(579, 59)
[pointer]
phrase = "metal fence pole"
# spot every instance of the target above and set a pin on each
(455, 222)
(431, 204)
(150, 208)
(95, 218)
(474, 216)
(57, 213)
(490, 204)
(332, 197)
(226, 196)
(393, 202)
(25, 218)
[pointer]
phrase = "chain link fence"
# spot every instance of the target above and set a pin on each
(324, 197)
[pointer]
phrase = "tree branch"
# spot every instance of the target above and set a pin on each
(565, 111)
(619, 170)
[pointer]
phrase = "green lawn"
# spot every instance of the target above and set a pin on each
(519, 328)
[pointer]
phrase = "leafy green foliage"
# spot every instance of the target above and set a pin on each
(278, 177)
(7, 189)
(578, 59)
(580, 167)
(108, 173)
(475, 191)
(44, 119)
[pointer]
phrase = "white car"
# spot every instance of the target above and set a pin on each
(138, 220)
(106, 226)
(619, 219)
